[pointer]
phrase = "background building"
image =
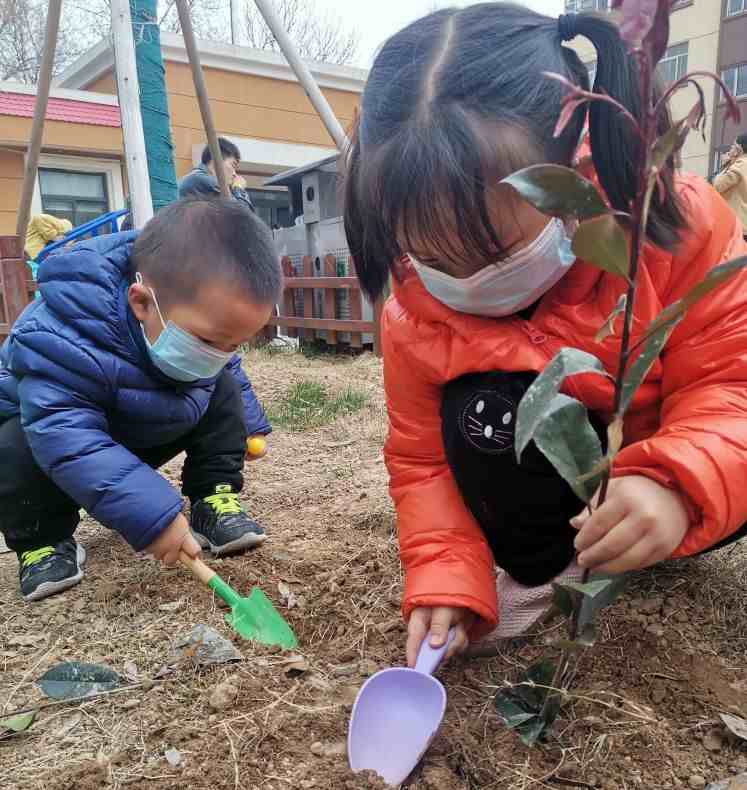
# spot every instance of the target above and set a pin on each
(705, 35)
(256, 102)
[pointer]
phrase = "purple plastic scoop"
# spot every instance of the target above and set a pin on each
(395, 716)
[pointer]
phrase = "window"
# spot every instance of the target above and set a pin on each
(274, 207)
(579, 6)
(591, 69)
(79, 197)
(735, 79)
(673, 65)
(734, 7)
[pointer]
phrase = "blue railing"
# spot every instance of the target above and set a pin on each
(106, 223)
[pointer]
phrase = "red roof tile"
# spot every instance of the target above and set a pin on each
(69, 110)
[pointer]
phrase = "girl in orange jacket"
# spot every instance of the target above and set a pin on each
(486, 290)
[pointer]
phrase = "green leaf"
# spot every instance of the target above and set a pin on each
(638, 371)
(669, 142)
(608, 328)
(510, 711)
(592, 605)
(75, 679)
(564, 598)
(587, 636)
(538, 399)
(557, 191)
(566, 438)
(602, 243)
(18, 723)
(520, 706)
(531, 731)
(589, 589)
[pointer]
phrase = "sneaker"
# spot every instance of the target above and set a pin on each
(50, 569)
(220, 523)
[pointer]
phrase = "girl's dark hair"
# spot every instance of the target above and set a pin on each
(455, 102)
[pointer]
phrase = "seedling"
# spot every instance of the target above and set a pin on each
(613, 241)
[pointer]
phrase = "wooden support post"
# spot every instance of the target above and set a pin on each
(356, 314)
(198, 78)
(378, 307)
(330, 297)
(128, 90)
(13, 282)
(54, 11)
(289, 302)
(308, 296)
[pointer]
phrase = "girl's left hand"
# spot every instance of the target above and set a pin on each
(256, 448)
(640, 524)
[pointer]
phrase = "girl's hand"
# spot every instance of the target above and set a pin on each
(177, 537)
(256, 448)
(438, 620)
(640, 524)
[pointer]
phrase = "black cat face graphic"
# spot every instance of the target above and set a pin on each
(488, 422)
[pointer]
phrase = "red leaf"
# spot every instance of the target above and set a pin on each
(637, 20)
(658, 37)
(570, 105)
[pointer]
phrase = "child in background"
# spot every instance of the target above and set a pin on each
(486, 290)
(127, 361)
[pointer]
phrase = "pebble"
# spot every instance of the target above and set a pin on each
(696, 782)
(713, 741)
(655, 630)
(329, 749)
(344, 670)
(223, 695)
(131, 703)
(651, 605)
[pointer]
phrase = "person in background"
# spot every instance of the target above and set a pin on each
(731, 182)
(239, 191)
(43, 229)
(202, 182)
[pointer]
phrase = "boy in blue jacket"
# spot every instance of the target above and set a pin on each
(127, 360)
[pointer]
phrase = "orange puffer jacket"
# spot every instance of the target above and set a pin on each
(686, 428)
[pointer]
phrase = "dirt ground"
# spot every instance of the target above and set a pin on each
(643, 713)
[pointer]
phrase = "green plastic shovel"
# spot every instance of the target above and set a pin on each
(252, 618)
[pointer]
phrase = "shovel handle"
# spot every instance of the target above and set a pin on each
(197, 567)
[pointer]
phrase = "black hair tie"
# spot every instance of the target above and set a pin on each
(567, 27)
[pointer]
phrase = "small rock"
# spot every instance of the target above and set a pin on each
(173, 757)
(655, 631)
(172, 606)
(658, 693)
(131, 703)
(696, 782)
(223, 695)
(367, 667)
(329, 749)
(713, 741)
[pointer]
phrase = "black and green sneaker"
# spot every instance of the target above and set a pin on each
(50, 569)
(220, 523)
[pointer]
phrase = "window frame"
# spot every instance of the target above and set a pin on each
(735, 68)
(729, 14)
(74, 200)
(110, 168)
(677, 59)
(576, 6)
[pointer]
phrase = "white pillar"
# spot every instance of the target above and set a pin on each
(128, 89)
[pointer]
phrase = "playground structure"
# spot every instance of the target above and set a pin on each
(337, 310)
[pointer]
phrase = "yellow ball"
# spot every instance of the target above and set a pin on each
(256, 445)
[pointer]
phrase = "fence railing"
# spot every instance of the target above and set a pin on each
(300, 318)
(14, 286)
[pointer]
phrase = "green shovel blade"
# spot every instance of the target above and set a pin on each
(255, 617)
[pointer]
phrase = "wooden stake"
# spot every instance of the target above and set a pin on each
(40, 113)
(202, 98)
(128, 88)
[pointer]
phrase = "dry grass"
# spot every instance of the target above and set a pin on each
(636, 719)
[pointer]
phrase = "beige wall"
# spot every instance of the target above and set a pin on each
(71, 138)
(697, 23)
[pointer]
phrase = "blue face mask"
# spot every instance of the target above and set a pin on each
(180, 355)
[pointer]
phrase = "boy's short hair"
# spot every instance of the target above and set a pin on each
(742, 141)
(228, 150)
(196, 241)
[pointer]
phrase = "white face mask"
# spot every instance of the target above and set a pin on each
(509, 286)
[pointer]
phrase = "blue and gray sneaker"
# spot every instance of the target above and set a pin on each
(221, 524)
(50, 569)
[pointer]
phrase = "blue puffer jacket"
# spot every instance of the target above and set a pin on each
(76, 369)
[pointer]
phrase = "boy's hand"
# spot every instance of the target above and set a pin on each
(640, 524)
(174, 539)
(256, 448)
(438, 620)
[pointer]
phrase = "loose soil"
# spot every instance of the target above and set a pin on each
(643, 712)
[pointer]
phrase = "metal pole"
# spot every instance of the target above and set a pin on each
(304, 76)
(236, 32)
(40, 113)
(202, 97)
(128, 89)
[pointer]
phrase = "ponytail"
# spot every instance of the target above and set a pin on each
(615, 147)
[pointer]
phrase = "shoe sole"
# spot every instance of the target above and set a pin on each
(248, 541)
(47, 589)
